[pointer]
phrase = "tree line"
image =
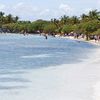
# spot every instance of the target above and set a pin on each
(86, 24)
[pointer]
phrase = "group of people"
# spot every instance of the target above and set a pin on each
(97, 38)
(77, 36)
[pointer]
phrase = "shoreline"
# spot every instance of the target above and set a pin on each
(65, 37)
(78, 81)
(68, 81)
(82, 40)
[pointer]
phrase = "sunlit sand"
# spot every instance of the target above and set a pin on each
(66, 82)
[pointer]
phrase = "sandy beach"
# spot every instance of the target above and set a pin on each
(80, 81)
(50, 50)
(82, 39)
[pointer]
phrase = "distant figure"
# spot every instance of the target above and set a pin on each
(45, 36)
(95, 38)
(78, 41)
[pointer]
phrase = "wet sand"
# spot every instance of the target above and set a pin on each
(79, 81)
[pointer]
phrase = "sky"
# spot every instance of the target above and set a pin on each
(47, 9)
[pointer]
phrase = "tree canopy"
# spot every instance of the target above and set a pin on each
(86, 24)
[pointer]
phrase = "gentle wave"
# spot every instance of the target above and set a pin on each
(36, 56)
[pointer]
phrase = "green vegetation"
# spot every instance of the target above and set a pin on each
(86, 24)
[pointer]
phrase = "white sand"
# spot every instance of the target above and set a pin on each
(66, 82)
(82, 39)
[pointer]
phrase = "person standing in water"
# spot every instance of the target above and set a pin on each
(45, 36)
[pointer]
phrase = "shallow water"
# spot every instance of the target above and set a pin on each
(29, 64)
(30, 52)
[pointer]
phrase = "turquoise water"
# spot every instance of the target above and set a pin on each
(29, 52)
(19, 53)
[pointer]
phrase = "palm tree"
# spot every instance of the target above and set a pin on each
(84, 17)
(94, 14)
(64, 19)
(55, 21)
(2, 14)
(16, 18)
(74, 20)
(1, 17)
(9, 18)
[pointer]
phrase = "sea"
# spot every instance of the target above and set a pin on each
(28, 65)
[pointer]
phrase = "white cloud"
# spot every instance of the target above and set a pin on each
(25, 8)
(18, 5)
(2, 6)
(65, 8)
(86, 11)
(25, 11)
(98, 2)
(46, 11)
(32, 12)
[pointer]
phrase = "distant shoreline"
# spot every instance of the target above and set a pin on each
(82, 40)
(65, 37)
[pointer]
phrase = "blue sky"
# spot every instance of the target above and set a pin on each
(47, 9)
